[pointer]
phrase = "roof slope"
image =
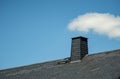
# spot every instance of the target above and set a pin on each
(105, 65)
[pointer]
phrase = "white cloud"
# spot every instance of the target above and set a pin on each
(101, 23)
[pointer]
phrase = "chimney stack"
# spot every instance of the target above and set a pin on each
(79, 48)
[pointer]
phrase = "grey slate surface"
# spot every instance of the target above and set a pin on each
(105, 65)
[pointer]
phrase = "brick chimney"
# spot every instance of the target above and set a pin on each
(79, 48)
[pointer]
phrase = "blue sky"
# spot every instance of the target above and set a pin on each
(34, 31)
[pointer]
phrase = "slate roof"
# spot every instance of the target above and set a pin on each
(104, 65)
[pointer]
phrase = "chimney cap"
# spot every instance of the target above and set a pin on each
(79, 37)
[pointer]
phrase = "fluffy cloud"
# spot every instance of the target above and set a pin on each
(101, 23)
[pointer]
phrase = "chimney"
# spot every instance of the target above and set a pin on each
(79, 48)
